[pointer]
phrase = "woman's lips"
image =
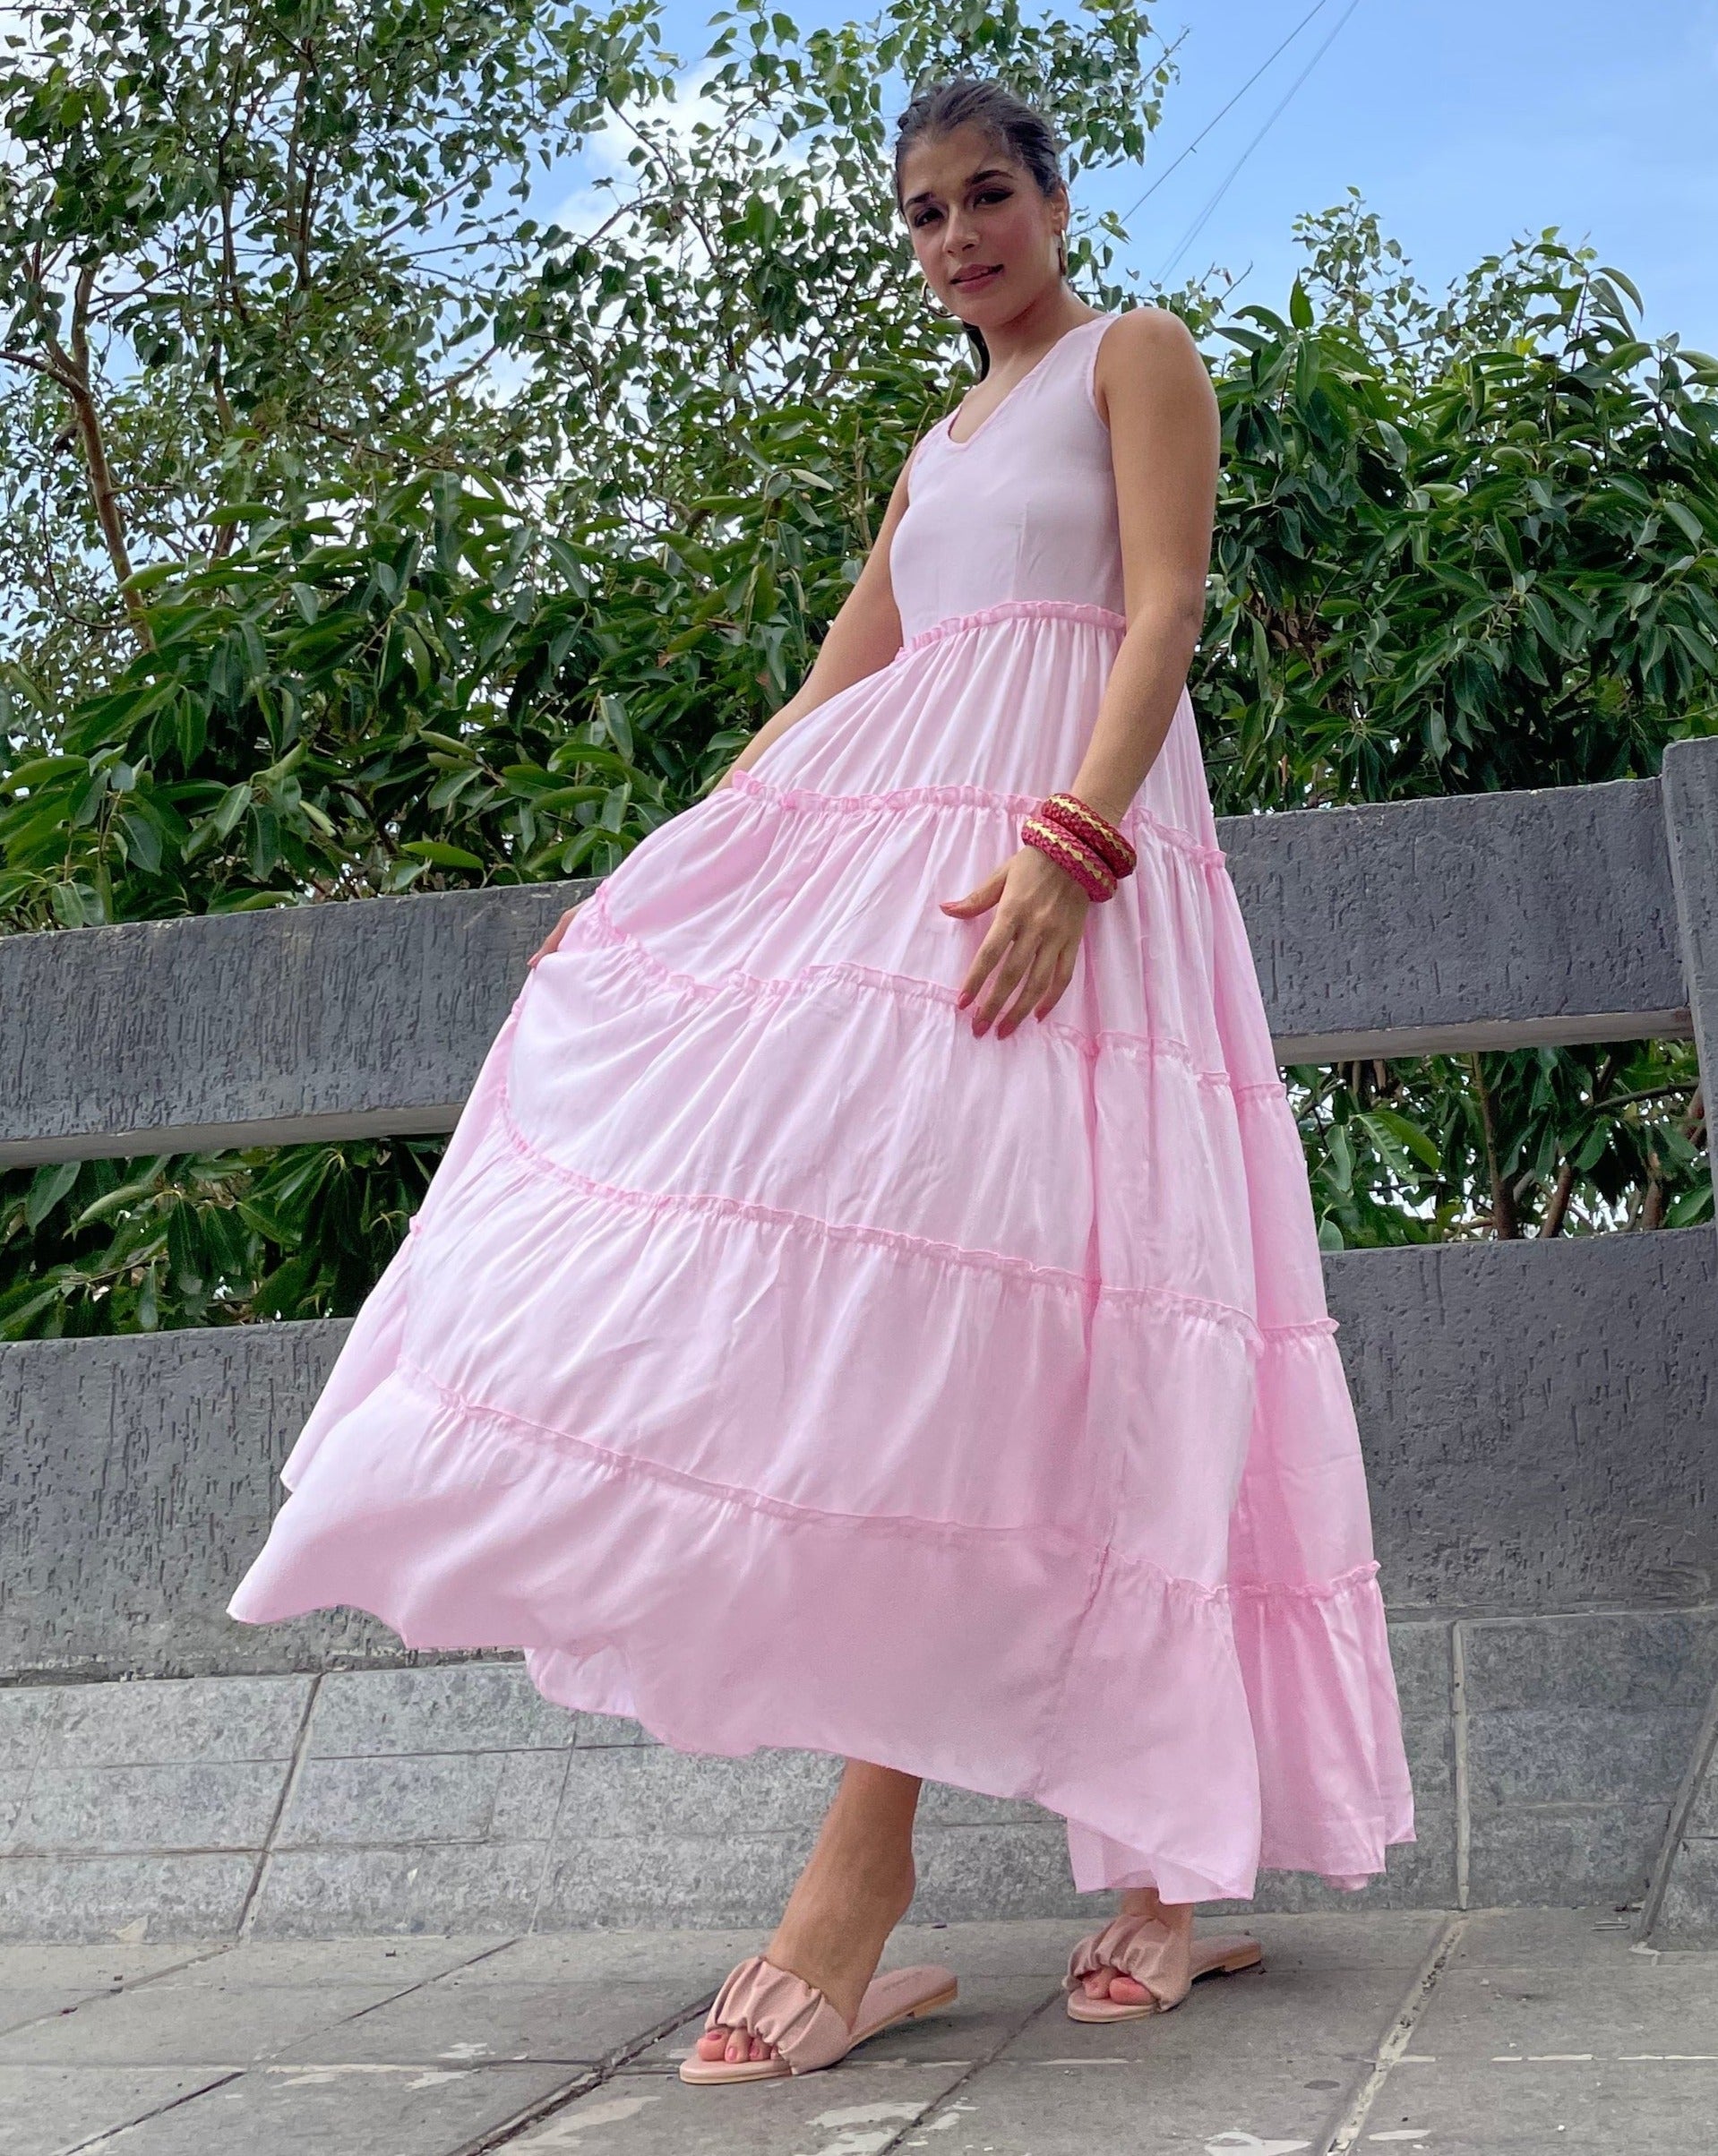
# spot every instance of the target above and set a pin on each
(973, 280)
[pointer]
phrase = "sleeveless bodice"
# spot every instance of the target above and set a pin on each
(1022, 509)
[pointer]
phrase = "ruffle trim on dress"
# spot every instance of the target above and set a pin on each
(915, 1249)
(808, 801)
(598, 926)
(1053, 1540)
(1013, 610)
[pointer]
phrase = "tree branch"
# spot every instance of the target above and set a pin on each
(1506, 1222)
(71, 369)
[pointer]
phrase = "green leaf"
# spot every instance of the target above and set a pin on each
(47, 1186)
(440, 854)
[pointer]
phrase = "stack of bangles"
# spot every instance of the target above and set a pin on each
(1078, 839)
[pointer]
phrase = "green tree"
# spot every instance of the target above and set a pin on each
(1467, 544)
(391, 627)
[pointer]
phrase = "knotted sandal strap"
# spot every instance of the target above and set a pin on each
(784, 2010)
(1142, 1947)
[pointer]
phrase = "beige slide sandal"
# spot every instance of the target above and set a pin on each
(808, 2034)
(1167, 1964)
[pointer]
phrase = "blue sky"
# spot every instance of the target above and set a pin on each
(1463, 123)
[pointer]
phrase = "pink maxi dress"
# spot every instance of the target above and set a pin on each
(777, 1363)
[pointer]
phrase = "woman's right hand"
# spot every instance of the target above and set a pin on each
(552, 942)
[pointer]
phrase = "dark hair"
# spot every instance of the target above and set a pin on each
(1017, 128)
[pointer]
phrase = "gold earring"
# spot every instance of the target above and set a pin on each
(1061, 253)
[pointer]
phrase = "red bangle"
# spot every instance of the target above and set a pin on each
(1095, 833)
(1085, 867)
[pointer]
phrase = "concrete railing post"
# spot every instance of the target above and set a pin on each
(1681, 1905)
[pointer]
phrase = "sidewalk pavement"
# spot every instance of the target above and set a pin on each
(1494, 2032)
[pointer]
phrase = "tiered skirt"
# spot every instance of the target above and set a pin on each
(775, 1361)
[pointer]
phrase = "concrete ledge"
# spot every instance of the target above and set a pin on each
(1484, 921)
(1475, 921)
(349, 1020)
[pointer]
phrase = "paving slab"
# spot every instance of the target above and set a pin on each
(1080, 2103)
(51, 2110)
(149, 2027)
(342, 1961)
(641, 1956)
(81, 1967)
(1500, 2033)
(1549, 2029)
(452, 2022)
(860, 2110)
(356, 2110)
(1586, 2109)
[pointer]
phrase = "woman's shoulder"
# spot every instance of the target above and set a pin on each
(1139, 335)
(1145, 351)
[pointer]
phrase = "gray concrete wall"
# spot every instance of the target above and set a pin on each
(1480, 921)
(1539, 1419)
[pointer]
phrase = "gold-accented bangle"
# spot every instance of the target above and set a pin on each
(1091, 874)
(1096, 832)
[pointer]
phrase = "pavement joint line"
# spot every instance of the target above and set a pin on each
(417, 1983)
(977, 2066)
(1347, 2130)
(1458, 1740)
(583, 2083)
(289, 1782)
(110, 2137)
(53, 2014)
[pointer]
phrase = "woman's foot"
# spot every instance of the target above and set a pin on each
(1116, 1984)
(854, 1891)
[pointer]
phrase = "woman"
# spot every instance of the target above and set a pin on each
(871, 1301)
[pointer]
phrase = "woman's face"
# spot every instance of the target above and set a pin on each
(985, 233)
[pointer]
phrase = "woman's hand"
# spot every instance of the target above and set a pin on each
(1031, 945)
(552, 942)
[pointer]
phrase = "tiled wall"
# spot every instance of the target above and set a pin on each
(1547, 1753)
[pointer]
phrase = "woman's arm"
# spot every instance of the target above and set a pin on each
(864, 636)
(1166, 439)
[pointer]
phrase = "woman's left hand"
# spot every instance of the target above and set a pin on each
(552, 942)
(1031, 945)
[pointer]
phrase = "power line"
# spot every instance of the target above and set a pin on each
(1317, 8)
(1205, 215)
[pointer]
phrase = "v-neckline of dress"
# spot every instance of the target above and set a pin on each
(1014, 387)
